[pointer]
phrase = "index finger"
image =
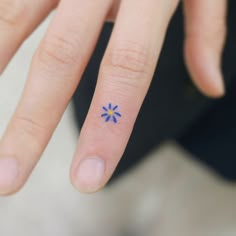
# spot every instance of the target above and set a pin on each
(54, 75)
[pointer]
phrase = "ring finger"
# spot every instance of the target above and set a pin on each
(125, 75)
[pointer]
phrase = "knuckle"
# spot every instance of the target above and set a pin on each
(58, 54)
(12, 12)
(130, 63)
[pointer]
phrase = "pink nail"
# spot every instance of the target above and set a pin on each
(89, 174)
(8, 174)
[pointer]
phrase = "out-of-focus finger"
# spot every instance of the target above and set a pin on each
(205, 27)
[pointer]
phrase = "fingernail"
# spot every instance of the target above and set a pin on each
(8, 174)
(89, 174)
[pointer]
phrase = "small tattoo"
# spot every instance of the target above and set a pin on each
(111, 113)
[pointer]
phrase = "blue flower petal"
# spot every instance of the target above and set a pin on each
(117, 113)
(110, 106)
(114, 108)
(105, 114)
(114, 119)
(108, 118)
(104, 108)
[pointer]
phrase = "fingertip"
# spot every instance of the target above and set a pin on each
(211, 82)
(10, 192)
(204, 67)
(215, 90)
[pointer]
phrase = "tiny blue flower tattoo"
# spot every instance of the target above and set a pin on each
(111, 113)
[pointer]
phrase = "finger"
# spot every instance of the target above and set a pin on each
(53, 78)
(17, 20)
(205, 37)
(124, 78)
(111, 16)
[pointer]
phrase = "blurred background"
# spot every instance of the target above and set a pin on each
(180, 178)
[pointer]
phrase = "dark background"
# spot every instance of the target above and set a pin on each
(203, 126)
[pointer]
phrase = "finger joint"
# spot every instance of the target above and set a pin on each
(12, 12)
(58, 54)
(30, 126)
(130, 64)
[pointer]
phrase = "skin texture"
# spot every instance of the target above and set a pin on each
(124, 78)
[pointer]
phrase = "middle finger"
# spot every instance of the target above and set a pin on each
(125, 75)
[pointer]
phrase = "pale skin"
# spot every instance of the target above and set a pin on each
(124, 78)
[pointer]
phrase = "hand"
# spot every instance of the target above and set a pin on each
(125, 75)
